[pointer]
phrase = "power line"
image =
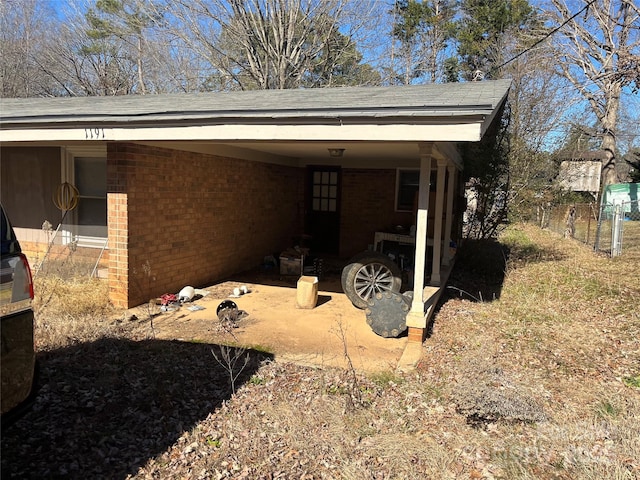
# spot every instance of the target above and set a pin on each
(549, 34)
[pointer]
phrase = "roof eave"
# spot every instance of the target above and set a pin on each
(458, 130)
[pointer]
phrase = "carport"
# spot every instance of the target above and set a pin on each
(199, 187)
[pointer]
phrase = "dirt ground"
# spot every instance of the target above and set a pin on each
(274, 323)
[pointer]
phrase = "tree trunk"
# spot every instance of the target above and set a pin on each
(143, 88)
(608, 121)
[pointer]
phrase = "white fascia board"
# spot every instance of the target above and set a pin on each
(461, 132)
(486, 123)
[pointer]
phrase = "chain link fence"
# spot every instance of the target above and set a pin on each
(610, 228)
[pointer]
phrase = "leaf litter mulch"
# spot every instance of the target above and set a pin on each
(517, 386)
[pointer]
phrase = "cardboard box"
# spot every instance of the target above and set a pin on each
(290, 265)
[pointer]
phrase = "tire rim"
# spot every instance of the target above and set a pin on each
(371, 279)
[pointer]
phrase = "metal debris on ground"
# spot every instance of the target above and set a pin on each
(229, 315)
(195, 308)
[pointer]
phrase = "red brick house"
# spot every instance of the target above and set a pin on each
(198, 187)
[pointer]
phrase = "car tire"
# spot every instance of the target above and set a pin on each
(368, 273)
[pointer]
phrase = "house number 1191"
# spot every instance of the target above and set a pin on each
(93, 133)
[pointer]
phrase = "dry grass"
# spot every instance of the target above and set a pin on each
(71, 310)
(566, 327)
(542, 382)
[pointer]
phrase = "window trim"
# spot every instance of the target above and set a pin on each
(397, 192)
(70, 228)
(399, 171)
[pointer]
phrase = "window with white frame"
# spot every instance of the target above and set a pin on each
(407, 183)
(407, 187)
(87, 223)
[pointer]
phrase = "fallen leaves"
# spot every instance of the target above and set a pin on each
(125, 406)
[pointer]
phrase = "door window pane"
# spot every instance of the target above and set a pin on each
(325, 191)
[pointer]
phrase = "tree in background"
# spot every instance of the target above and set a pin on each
(112, 47)
(599, 53)
(110, 23)
(534, 115)
(117, 31)
(423, 31)
(486, 31)
(534, 97)
(340, 64)
(83, 63)
(25, 33)
(633, 161)
(512, 172)
(271, 44)
(579, 139)
(486, 177)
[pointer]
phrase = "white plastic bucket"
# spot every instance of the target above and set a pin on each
(307, 292)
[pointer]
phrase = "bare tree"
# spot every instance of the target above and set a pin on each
(535, 94)
(124, 21)
(534, 98)
(90, 67)
(266, 44)
(423, 31)
(123, 49)
(25, 34)
(599, 53)
(170, 66)
(437, 37)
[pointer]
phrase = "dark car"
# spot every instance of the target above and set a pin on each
(17, 364)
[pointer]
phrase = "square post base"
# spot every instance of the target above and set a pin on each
(417, 335)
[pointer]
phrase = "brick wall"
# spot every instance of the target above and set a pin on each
(368, 205)
(180, 218)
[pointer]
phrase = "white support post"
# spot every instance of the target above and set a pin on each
(437, 231)
(451, 185)
(416, 316)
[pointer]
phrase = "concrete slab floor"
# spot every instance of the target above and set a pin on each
(331, 334)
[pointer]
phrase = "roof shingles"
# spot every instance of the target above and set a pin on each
(433, 100)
